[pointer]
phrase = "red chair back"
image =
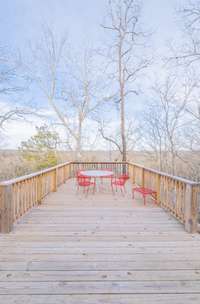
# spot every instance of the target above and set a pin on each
(82, 180)
(122, 181)
(119, 181)
(79, 173)
(124, 176)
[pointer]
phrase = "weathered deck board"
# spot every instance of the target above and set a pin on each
(103, 299)
(88, 288)
(99, 249)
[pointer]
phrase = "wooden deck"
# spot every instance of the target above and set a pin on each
(98, 250)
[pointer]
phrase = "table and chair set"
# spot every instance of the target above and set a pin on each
(93, 180)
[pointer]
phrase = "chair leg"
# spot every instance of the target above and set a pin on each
(133, 194)
(124, 189)
(112, 189)
(144, 198)
(155, 198)
(86, 192)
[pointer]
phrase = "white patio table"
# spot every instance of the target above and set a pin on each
(95, 174)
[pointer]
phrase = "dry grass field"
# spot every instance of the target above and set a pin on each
(12, 164)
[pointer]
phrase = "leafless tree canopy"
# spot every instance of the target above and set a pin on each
(91, 98)
(125, 59)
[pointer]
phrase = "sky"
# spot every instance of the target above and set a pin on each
(21, 22)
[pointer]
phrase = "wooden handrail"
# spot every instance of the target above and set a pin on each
(178, 195)
(161, 173)
(29, 176)
(24, 177)
(19, 195)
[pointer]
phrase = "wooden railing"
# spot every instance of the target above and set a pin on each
(19, 195)
(179, 196)
(117, 167)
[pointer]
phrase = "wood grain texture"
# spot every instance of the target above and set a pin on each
(102, 299)
(98, 249)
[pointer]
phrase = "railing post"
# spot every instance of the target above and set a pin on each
(71, 170)
(55, 182)
(143, 181)
(6, 209)
(39, 189)
(129, 171)
(190, 210)
(65, 173)
(133, 174)
(158, 186)
(124, 168)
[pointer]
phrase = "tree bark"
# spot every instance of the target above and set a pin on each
(122, 102)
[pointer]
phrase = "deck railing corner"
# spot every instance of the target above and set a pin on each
(178, 196)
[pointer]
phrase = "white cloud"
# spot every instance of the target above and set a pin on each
(16, 132)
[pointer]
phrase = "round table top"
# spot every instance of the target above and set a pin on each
(97, 173)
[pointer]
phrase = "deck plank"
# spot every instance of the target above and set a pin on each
(98, 249)
(102, 299)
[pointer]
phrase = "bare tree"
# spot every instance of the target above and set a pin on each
(125, 59)
(11, 78)
(15, 114)
(111, 133)
(12, 83)
(185, 60)
(165, 121)
(188, 54)
(44, 69)
(153, 135)
(68, 84)
(190, 50)
(81, 94)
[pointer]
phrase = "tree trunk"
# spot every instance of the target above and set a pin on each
(123, 136)
(79, 139)
(122, 102)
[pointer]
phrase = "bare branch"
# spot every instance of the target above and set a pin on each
(112, 140)
(125, 56)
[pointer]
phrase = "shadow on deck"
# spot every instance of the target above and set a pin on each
(98, 249)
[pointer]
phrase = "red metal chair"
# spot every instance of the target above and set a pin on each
(118, 183)
(145, 192)
(85, 183)
(79, 173)
(124, 176)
